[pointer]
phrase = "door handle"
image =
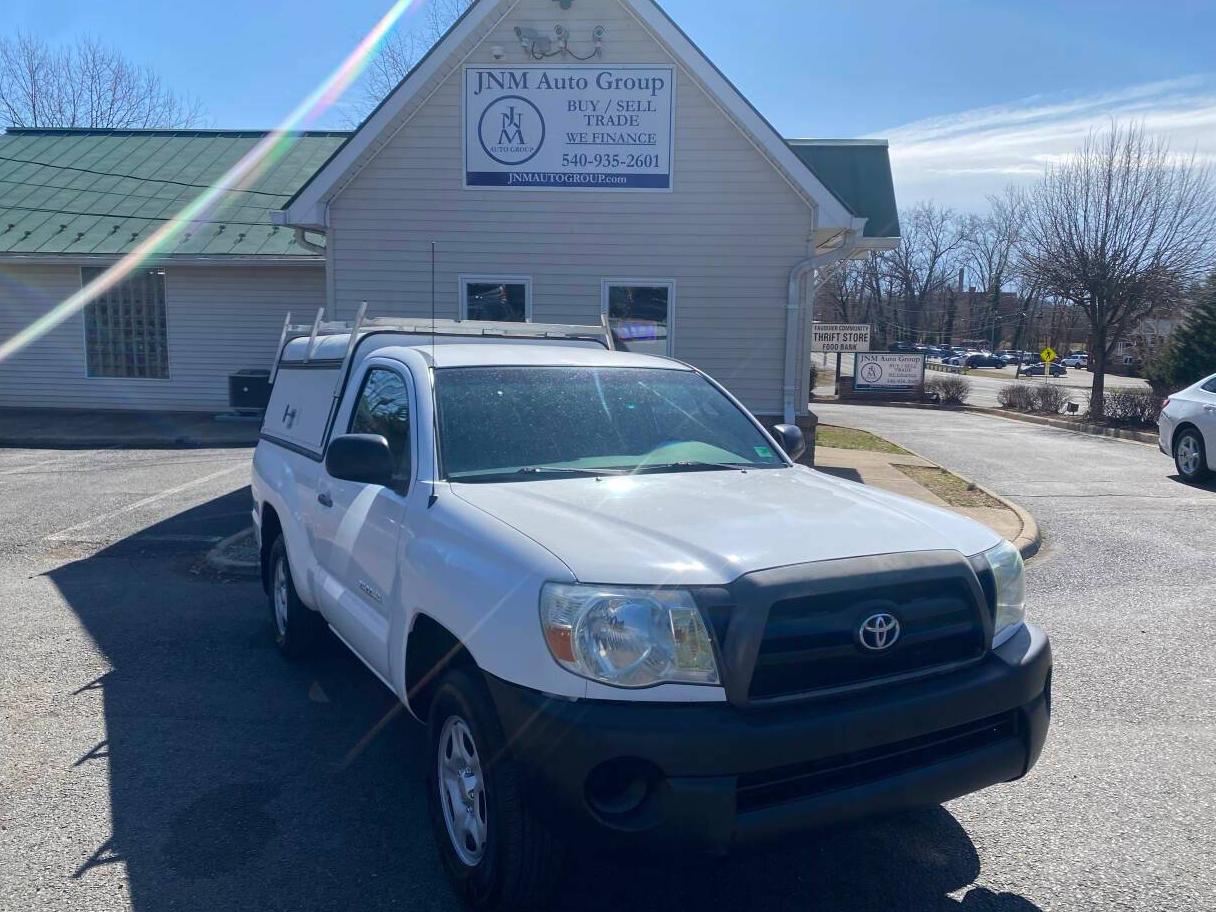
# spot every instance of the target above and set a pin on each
(325, 500)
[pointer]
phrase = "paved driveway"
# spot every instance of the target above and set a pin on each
(156, 753)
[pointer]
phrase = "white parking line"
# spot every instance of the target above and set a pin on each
(66, 534)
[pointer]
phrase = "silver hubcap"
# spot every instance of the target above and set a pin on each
(462, 791)
(1188, 455)
(280, 596)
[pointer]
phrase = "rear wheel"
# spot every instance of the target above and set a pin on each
(497, 853)
(297, 628)
(1190, 456)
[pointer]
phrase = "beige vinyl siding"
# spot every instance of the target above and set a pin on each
(220, 319)
(727, 235)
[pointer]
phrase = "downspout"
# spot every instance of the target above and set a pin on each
(793, 313)
(307, 244)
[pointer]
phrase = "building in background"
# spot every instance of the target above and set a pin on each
(567, 161)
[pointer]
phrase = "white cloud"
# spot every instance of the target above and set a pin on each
(960, 158)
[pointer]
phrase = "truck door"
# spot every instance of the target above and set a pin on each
(358, 526)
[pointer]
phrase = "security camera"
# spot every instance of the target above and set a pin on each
(560, 31)
(533, 41)
(497, 52)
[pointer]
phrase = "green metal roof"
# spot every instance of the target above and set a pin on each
(101, 192)
(858, 172)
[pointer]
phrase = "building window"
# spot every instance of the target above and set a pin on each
(641, 314)
(499, 299)
(124, 328)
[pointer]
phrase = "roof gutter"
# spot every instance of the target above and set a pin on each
(793, 312)
(307, 244)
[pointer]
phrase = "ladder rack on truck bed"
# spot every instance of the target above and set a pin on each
(363, 325)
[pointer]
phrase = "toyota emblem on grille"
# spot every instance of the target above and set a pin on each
(879, 632)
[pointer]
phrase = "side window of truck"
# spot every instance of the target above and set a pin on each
(384, 408)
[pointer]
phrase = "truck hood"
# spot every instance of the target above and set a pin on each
(709, 528)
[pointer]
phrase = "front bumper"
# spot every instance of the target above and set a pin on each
(712, 776)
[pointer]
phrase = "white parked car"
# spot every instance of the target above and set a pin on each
(1188, 430)
(621, 608)
(1081, 361)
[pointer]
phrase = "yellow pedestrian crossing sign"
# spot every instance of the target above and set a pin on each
(1048, 355)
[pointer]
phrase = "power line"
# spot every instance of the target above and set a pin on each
(159, 180)
(142, 218)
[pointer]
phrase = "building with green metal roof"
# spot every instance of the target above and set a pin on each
(625, 179)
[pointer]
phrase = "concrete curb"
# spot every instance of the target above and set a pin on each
(1030, 541)
(218, 560)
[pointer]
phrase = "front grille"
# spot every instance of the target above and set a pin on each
(791, 783)
(811, 643)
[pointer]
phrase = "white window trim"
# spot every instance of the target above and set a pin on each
(669, 284)
(465, 280)
(84, 339)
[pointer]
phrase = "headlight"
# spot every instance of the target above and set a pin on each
(627, 637)
(1009, 572)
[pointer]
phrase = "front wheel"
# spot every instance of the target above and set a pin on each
(498, 854)
(1190, 456)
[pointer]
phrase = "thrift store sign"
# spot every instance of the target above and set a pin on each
(569, 127)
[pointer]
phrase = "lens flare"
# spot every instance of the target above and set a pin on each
(268, 151)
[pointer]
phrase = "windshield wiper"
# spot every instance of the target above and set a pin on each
(689, 466)
(567, 470)
(537, 472)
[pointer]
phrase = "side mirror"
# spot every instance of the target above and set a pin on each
(791, 440)
(364, 458)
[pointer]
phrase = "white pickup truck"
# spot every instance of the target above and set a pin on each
(622, 609)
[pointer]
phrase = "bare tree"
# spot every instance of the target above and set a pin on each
(400, 53)
(989, 248)
(1117, 230)
(924, 265)
(85, 84)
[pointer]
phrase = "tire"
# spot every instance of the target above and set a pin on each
(1191, 457)
(498, 855)
(297, 628)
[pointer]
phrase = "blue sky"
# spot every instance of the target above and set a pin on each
(972, 95)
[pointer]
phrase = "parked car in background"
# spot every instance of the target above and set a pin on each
(1079, 360)
(982, 359)
(1187, 429)
(1037, 370)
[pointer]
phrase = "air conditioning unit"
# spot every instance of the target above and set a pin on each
(249, 390)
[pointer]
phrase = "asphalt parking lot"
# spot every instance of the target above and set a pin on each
(157, 753)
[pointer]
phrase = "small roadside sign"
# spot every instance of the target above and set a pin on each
(888, 371)
(1048, 355)
(840, 337)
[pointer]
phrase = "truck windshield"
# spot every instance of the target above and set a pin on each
(529, 423)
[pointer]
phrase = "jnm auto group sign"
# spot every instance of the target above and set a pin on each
(568, 127)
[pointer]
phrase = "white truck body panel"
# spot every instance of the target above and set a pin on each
(474, 557)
